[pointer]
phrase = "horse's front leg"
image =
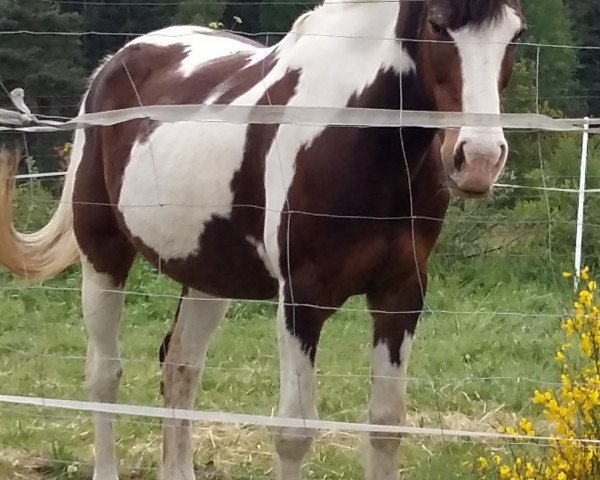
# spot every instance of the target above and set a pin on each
(299, 328)
(392, 339)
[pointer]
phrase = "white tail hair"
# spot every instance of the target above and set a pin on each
(39, 255)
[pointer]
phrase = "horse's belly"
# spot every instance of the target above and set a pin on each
(176, 202)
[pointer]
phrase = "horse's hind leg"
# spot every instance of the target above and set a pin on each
(186, 347)
(106, 257)
(102, 301)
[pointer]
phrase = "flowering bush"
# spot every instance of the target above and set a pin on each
(570, 450)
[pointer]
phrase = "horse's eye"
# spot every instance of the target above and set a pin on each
(519, 35)
(438, 29)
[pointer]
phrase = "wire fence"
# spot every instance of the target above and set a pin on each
(24, 122)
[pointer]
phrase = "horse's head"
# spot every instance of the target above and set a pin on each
(466, 62)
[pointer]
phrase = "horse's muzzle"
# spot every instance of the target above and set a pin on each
(475, 170)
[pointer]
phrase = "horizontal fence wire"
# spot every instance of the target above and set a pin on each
(458, 218)
(553, 316)
(279, 34)
(29, 176)
(440, 381)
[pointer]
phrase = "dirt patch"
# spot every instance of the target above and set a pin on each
(17, 465)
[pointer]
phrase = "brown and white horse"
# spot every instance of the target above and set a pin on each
(307, 214)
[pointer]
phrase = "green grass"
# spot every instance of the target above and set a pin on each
(457, 362)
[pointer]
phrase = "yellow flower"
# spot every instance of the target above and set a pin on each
(529, 470)
(567, 274)
(585, 298)
(586, 345)
(573, 410)
(538, 398)
(585, 273)
(527, 427)
(569, 327)
(505, 471)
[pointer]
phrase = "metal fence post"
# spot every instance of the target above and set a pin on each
(581, 205)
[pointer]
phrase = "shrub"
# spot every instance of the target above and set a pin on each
(571, 451)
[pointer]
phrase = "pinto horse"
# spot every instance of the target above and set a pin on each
(310, 215)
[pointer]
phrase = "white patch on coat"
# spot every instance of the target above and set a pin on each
(387, 407)
(482, 50)
(298, 394)
(201, 44)
(389, 382)
(177, 180)
(102, 304)
(297, 397)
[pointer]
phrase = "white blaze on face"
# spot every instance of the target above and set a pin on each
(482, 50)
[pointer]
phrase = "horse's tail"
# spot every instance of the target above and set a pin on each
(39, 255)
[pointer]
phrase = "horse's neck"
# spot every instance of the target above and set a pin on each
(341, 48)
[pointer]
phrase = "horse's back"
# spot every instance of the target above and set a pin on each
(171, 66)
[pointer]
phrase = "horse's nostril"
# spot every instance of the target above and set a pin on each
(503, 153)
(459, 156)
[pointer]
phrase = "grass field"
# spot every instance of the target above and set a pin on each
(42, 344)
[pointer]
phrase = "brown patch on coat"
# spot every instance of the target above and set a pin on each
(97, 233)
(400, 289)
(354, 184)
(249, 77)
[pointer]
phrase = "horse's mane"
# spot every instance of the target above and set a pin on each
(476, 11)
